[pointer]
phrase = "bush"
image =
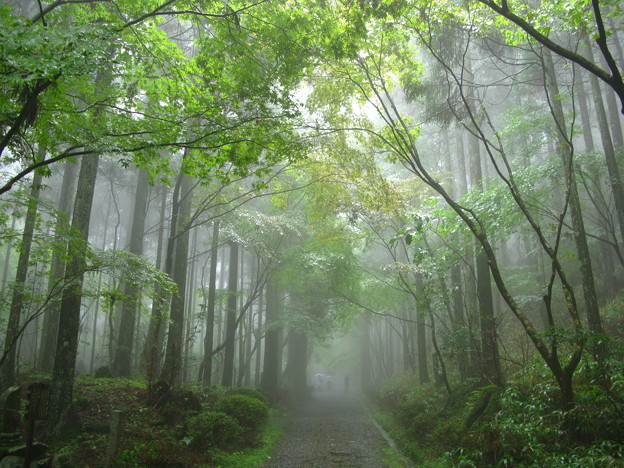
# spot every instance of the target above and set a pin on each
(251, 392)
(250, 413)
(103, 372)
(209, 430)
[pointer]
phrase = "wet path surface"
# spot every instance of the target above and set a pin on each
(330, 431)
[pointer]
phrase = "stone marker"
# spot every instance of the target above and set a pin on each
(116, 429)
(38, 397)
(10, 402)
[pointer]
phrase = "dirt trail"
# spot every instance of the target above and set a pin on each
(331, 430)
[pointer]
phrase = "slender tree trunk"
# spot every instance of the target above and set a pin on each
(566, 153)
(607, 144)
(491, 370)
(405, 341)
(581, 99)
(298, 362)
(230, 324)
(96, 309)
(122, 364)
(154, 339)
(366, 368)
(61, 392)
(421, 333)
(189, 337)
(249, 331)
(13, 332)
(7, 257)
(57, 267)
(259, 339)
(241, 323)
(177, 265)
(210, 307)
(270, 373)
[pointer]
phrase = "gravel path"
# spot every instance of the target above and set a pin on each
(329, 431)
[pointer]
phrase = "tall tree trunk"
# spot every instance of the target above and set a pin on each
(61, 392)
(248, 348)
(57, 267)
(456, 299)
(607, 144)
(14, 331)
(491, 370)
(405, 342)
(270, 372)
(421, 332)
(177, 266)
(565, 151)
(250, 323)
(581, 99)
(189, 337)
(7, 257)
(96, 309)
(259, 339)
(366, 368)
(122, 364)
(210, 307)
(298, 362)
(241, 323)
(153, 342)
(227, 379)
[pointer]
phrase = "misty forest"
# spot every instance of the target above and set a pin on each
(224, 222)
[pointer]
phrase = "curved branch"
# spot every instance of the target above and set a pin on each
(614, 80)
(24, 172)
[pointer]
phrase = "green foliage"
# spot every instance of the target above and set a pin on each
(209, 430)
(519, 425)
(250, 412)
(253, 457)
(138, 454)
(251, 392)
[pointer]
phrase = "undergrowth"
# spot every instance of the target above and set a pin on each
(187, 427)
(520, 425)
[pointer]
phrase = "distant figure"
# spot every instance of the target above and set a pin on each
(329, 382)
(319, 381)
(347, 378)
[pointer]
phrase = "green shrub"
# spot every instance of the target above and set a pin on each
(82, 402)
(251, 392)
(250, 413)
(209, 430)
(103, 372)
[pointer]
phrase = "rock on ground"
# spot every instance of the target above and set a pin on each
(329, 431)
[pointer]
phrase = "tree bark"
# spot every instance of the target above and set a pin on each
(122, 364)
(57, 267)
(298, 362)
(270, 372)
(61, 391)
(259, 339)
(615, 179)
(490, 360)
(230, 324)
(177, 266)
(153, 343)
(210, 307)
(13, 332)
(566, 153)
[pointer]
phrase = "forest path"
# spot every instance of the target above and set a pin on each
(331, 430)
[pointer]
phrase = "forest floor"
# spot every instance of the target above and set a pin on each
(329, 430)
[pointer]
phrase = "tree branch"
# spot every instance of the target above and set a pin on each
(614, 79)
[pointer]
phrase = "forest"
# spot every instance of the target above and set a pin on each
(205, 204)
